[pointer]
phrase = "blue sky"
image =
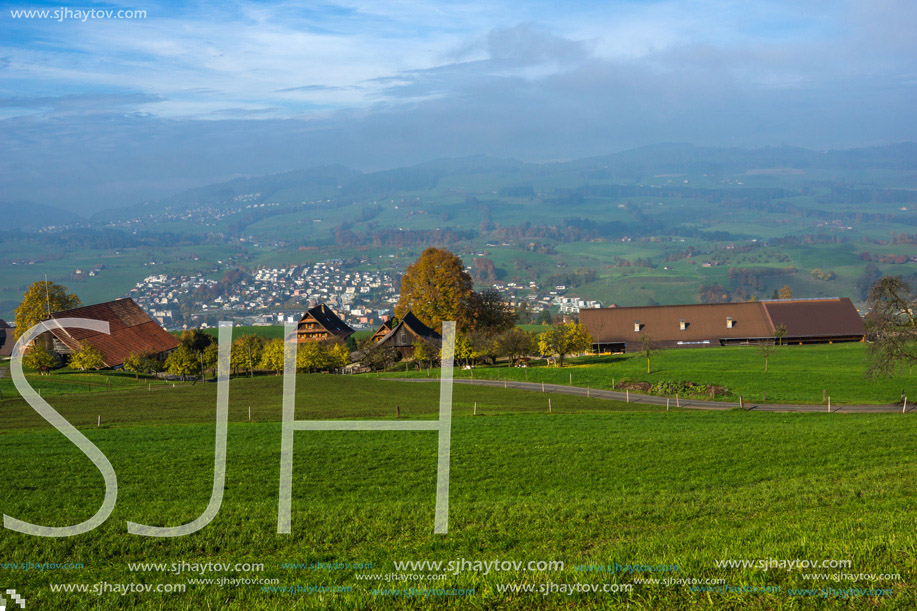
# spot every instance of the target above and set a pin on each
(129, 109)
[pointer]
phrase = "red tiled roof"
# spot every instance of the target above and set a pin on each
(131, 331)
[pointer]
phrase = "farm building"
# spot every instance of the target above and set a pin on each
(321, 323)
(406, 333)
(822, 320)
(7, 339)
(384, 329)
(131, 331)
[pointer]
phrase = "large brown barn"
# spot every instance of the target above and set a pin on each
(131, 331)
(822, 320)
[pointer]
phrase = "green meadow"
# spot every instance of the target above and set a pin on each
(592, 484)
(795, 374)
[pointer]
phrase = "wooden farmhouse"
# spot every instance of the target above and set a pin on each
(384, 329)
(321, 323)
(7, 339)
(406, 333)
(131, 331)
(806, 321)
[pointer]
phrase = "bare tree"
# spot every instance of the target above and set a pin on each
(647, 348)
(891, 326)
(767, 348)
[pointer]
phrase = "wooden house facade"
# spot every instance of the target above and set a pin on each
(404, 335)
(321, 323)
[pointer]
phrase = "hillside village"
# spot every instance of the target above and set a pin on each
(271, 296)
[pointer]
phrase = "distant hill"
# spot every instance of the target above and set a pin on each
(29, 215)
(512, 177)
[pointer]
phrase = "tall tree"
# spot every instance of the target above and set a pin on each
(516, 343)
(40, 300)
(785, 292)
(891, 326)
(490, 313)
(435, 288)
(195, 339)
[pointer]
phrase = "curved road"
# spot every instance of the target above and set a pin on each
(617, 395)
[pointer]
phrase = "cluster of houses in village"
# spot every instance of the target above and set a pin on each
(268, 296)
(537, 299)
(272, 296)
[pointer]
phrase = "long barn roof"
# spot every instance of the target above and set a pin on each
(752, 319)
(131, 331)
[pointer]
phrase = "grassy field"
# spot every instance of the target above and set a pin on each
(67, 381)
(595, 483)
(796, 374)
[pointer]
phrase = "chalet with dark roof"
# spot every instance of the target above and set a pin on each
(807, 321)
(384, 329)
(131, 331)
(321, 323)
(407, 332)
(7, 339)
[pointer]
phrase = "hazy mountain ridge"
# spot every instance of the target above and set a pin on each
(28, 215)
(626, 167)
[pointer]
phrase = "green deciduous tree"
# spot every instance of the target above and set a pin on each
(312, 356)
(38, 358)
(195, 339)
(145, 361)
(516, 343)
(183, 362)
(210, 357)
(87, 357)
(489, 313)
(40, 300)
(563, 339)
(272, 356)
(246, 353)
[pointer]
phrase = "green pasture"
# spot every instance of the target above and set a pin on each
(795, 374)
(595, 483)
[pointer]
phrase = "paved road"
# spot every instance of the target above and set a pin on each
(682, 402)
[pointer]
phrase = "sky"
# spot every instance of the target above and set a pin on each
(98, 111)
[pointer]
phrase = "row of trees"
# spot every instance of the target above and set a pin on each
(198, 353)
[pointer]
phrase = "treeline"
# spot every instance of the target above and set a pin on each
(347, 238)
(754, 278)
(103, 239)
(571, 279)
(892, 259)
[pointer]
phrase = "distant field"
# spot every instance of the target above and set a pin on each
(796, 374)
(594, 484)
